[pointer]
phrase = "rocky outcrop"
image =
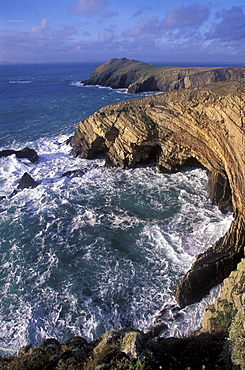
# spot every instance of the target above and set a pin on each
(26, 182)
(120, 349)
(28, 153)
(219, 316)
(200, 126)
(138, 77)
(226, 317)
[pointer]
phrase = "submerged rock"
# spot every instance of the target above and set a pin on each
(74, 173)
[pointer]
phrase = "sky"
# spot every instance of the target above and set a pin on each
(156, 31)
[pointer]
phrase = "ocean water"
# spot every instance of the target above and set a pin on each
(83, 255)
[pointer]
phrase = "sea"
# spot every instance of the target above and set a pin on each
(82, 255)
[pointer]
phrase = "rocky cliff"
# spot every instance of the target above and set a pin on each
(200, 126)
(226, 317)
(137, 76)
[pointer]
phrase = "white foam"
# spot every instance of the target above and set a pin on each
(105, 249)
(77, 83)
(20, 82)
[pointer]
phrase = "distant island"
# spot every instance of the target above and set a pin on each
(140, 77)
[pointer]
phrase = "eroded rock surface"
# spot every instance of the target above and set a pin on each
(226, 317)
(186, 127)
(120, 349)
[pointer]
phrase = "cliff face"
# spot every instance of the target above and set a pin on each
(137, 76)
(226, 316)
(186, 127)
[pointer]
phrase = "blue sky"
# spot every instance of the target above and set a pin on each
(165, 31)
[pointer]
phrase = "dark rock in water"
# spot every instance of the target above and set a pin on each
(28, 153)
(156, 330)
(69, 140)
(27, 182)
(7, 152)
(74, 173)
(78, 172)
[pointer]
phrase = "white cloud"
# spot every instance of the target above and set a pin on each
(89, 7)
(43, 27)
(188, 16)
(146, 29)
(16, 20)
(231, 26)
(106, 36)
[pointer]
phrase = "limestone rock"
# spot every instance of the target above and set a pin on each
(199, 126)
(219, 191)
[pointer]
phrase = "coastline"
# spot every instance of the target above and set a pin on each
(110, 139)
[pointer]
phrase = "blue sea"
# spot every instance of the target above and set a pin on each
(83, 255)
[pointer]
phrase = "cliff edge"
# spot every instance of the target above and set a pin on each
(138, 76)
(198, 126)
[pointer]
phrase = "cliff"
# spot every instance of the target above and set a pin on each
(204, 126)
(226, 316)
(137, 76)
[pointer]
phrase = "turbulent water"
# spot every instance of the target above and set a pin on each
(82, 255)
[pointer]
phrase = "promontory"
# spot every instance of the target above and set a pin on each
(137, 76)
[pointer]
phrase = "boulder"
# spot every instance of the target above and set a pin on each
(28, 153)
(27, 182)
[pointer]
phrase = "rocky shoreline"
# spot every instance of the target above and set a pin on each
(197, 126)
(202, 126)
(182, 128)
(123, 349)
